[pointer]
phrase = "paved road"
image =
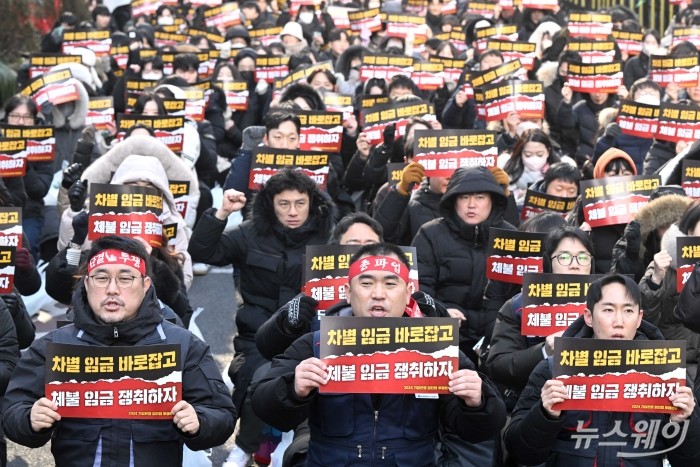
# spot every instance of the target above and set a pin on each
(214, 293)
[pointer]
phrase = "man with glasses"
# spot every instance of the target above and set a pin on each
(115, 305)
(267, 251)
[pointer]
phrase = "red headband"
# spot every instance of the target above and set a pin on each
(379, 263)
(119, 257)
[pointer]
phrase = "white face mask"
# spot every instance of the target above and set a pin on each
(306, 17)
(151, 76)
(166, 20)
(648, 100)
(534, 164)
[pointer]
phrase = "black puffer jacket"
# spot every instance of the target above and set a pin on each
(268, 255)
(452, 254)
(75, 441)
(401, 216)
(533, 437)
(579, 126)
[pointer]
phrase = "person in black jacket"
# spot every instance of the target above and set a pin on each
(288, 214)
(638, 67)
(539, 433)
(405, 428)
(452, 249)
(115, 305)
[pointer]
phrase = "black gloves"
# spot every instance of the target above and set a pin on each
(12, 302)
(633, 235)
(301, 311)
(389, 134)
(80, 228)
(612, 130)
(71, 174)
(77, 194)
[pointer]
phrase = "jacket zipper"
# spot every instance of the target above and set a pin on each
(116, 332)
(374, 433)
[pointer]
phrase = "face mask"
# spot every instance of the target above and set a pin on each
(166, 20)
(649, 100)
(534, 164)
(648, 49)
(151, 76)
(248, 76)
(306, 17)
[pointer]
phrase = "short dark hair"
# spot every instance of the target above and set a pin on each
(562, 171)
(274, 119)
(543, 222)
(552, 241)
(401, 81)
(288, 179)
(348, 221)
(140, 126)
(489, 53)
(690, 218)
(17, 100)
(595, 290)
(128, 245)
(380, 249)
(186, 61)
(336, 34)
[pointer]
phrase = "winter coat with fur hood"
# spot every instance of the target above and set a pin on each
(134, 168)
(268, 255)
(637, 247)
(659, 301)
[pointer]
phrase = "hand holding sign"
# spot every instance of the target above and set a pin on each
(553, 392)
(43, 414)
(685, 401)
(185, 417)
(549, 342)
(466, 384)
(309, 375)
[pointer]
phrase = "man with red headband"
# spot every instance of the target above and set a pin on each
(399, 429)
(115, 305)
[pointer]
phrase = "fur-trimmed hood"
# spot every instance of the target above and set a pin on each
(319, 223)
(72, 114)
(661, 212)
(548, 73)
(176, 169)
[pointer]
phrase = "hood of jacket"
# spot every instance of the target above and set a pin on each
(646, 331)
(71, 115)
(104, 169)
(320, 221)
(427, 197)
(127, 332)
(473, 180)
(662, 212)
(669, 242)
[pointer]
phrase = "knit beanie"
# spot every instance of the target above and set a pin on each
(608, 156)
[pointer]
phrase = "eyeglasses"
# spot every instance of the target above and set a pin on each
(102, 281)
(21, 117)
(565, 259)
(286, 205)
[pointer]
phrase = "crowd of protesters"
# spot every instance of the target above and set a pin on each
(276, 370)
